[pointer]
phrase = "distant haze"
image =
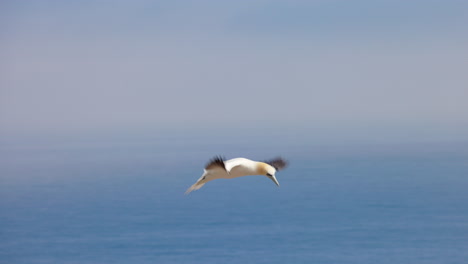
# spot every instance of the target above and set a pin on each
(98, 65)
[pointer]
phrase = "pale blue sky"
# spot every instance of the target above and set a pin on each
(101, 65)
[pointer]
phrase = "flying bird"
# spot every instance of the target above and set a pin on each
(218, 168)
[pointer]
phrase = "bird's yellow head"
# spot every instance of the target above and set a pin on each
(267, 170)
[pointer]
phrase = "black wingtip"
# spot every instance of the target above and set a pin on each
(278, 163)
(217, 161)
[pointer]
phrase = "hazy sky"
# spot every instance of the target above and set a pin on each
(93, 65)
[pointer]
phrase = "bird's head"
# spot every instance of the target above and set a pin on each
(267, 170)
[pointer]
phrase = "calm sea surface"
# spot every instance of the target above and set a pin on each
(124, 203)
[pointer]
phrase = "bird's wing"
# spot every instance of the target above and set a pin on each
(200, 182)
(215, 163)
(213, 169)
(277, 163)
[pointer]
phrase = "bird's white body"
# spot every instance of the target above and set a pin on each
(233, 168)
(237, 167)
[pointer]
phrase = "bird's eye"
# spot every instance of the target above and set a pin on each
(269, 175)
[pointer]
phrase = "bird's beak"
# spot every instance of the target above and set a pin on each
(273, 178)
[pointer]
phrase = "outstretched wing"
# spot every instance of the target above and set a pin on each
(216, 163)
(278, 163)
(213, 167)
(198, 184)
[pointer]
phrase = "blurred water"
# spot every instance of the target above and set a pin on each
(125, 204)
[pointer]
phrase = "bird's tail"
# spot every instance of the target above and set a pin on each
(195, 187)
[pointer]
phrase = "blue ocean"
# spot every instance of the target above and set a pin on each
(117, 201)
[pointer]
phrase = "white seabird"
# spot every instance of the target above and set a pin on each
(217, 168)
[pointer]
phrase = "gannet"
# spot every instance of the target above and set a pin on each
(217, 168)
